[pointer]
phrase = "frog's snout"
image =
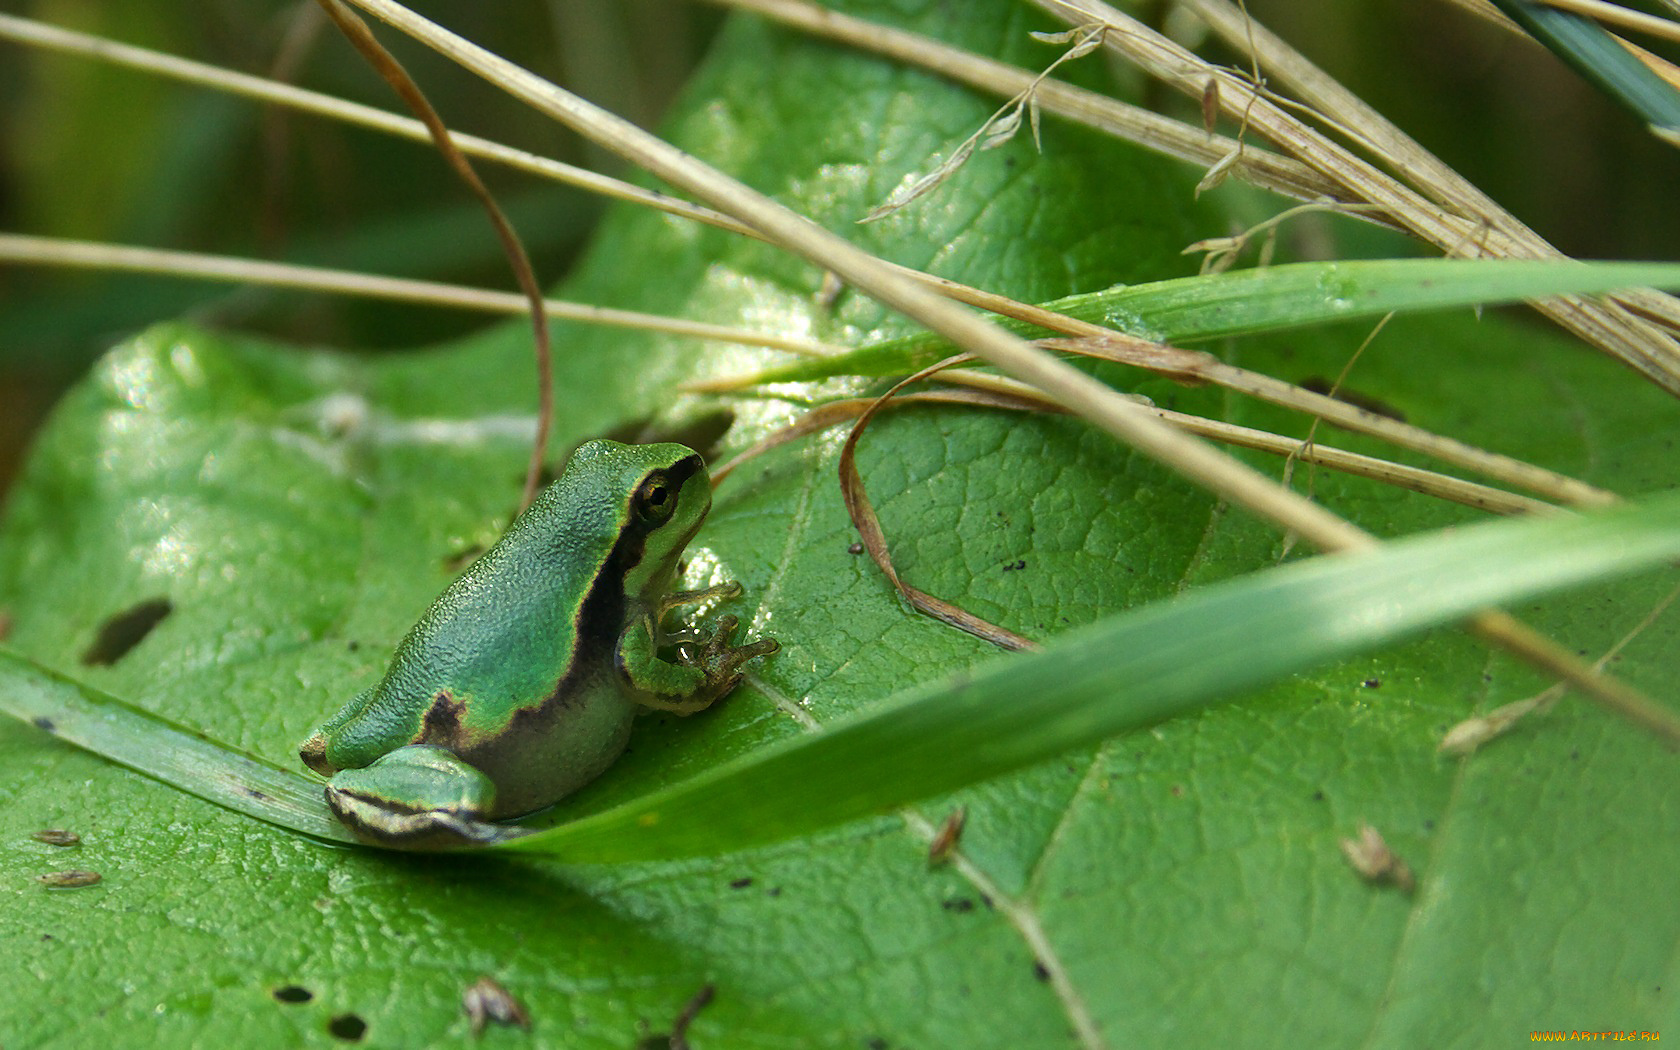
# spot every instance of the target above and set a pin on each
(314, 755)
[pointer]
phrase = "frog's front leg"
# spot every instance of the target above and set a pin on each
(417, 797)
(728, 589)
(704, 670)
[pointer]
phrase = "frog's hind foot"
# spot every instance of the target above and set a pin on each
(423, 831)
(418, 797)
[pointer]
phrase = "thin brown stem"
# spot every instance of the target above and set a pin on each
(357, 32)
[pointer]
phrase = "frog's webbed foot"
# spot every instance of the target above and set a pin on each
(719, 662)
(417, 798)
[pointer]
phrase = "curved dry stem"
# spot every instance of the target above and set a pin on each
(519, 260)
(983, 390)
(868, 524)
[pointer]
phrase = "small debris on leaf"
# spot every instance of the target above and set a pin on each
(1370, 856)
(68, 880)
(485, 1001)
(945, 840)
(1470, 734)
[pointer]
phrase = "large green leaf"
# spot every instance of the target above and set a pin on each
(299, 508)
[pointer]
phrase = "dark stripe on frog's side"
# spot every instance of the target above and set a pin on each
(596, 627)
(442, 720)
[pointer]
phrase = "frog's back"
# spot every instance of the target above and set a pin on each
(507, 634)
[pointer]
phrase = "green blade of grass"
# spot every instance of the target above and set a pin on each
(1247, 302)
(105, 725)
(1601, 58)
(1127, 671)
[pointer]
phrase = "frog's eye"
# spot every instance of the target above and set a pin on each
(655, 500)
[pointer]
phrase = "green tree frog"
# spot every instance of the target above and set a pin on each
(520, 683)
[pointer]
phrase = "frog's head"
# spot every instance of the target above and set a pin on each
(661, 495)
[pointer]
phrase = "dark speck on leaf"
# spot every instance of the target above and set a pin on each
(775, 891)
(856, 548)
(1041, 971)
(347, 1027)
(1372, 683)
(740, 883)
(1318, 796)
(123, 631)
(46, 724)
(353, 645)
(1015, 565)
(958, 904)
(293, 993)
(877, 1043)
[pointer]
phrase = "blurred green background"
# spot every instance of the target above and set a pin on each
(91, 152)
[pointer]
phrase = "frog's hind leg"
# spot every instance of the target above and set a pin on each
(314, 750)
(418, 797)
